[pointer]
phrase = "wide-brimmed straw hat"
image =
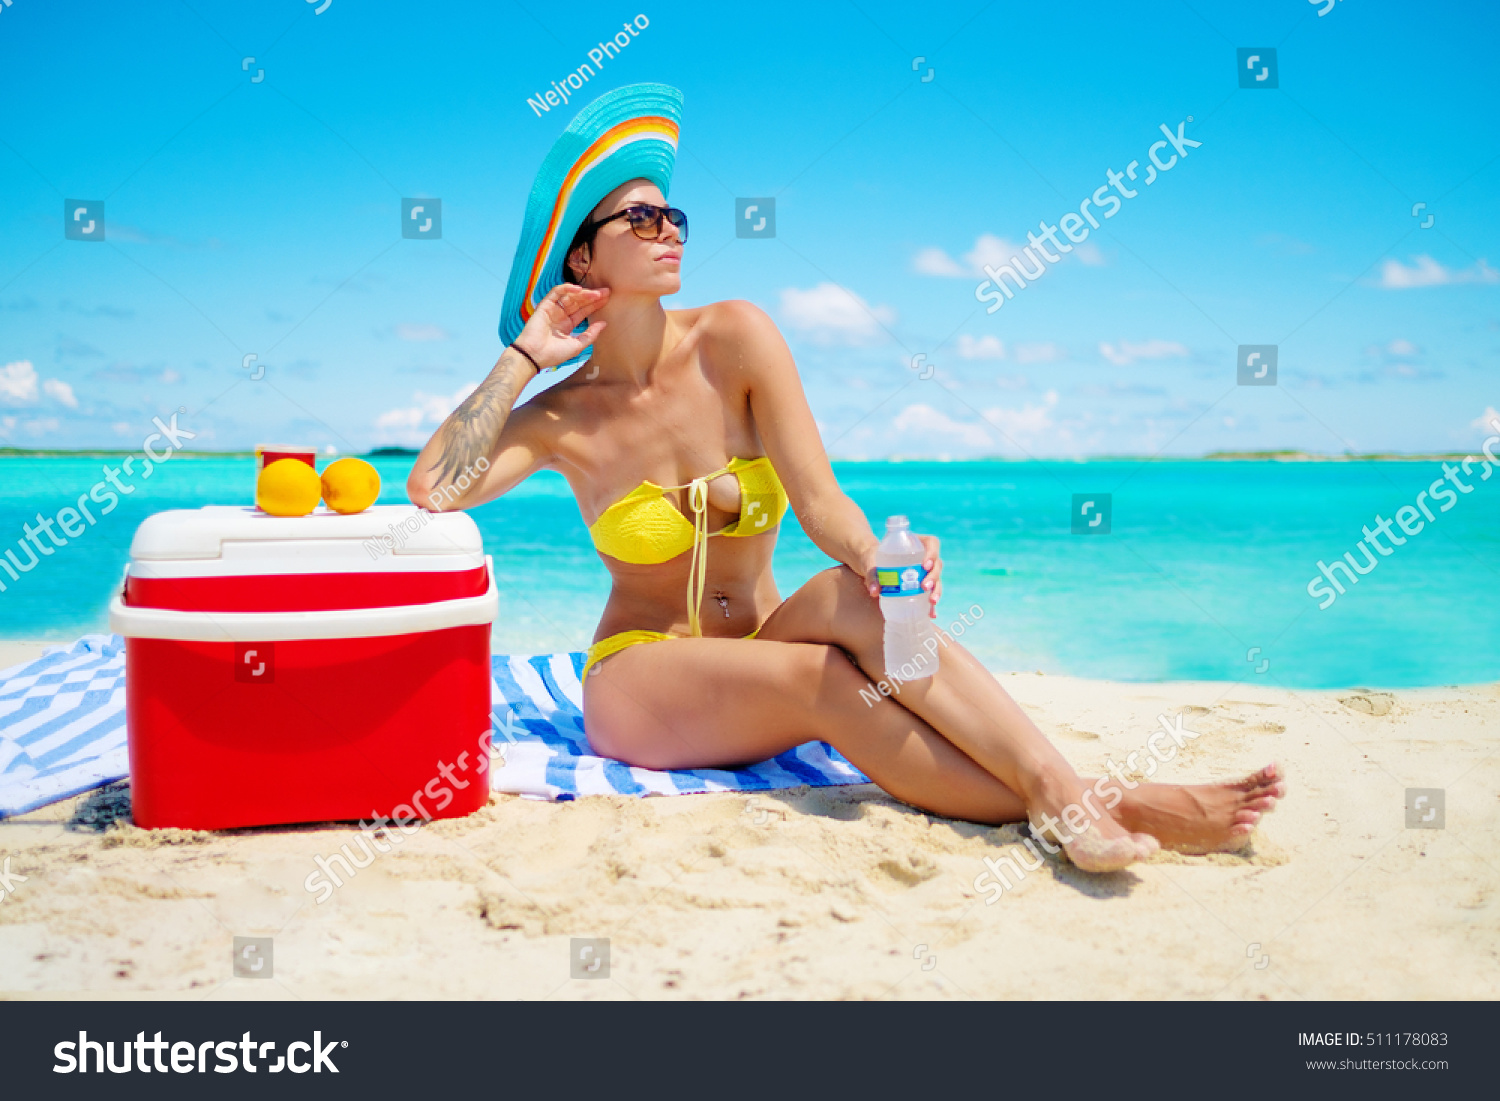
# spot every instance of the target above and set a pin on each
(627, 134)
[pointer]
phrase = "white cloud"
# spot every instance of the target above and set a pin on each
(59, 390)
(41, 425)
(934, 261)
(984, 347)
(1045, 352)
(21, 385)
(1488, 421)
(923, 420)
(1026, 422)
(18, 381)
(995, 251)
(421, 332)
(1397, 350)
(170, 376)
(992, 250)
(409, 417)
(431, 409)
(831, 314)
(1088, 253)
(998, 427)
(1427, 272)
(1128, 352)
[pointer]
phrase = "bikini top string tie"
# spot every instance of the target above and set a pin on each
(698, 568)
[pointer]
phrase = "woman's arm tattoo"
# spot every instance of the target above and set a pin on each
(471, 430)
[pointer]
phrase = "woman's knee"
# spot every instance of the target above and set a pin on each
(854, 620)
(833, 607)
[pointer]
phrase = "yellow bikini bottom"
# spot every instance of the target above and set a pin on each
(607, 647)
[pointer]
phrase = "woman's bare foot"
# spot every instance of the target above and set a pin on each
(1091, 851)
(1203, 818)
(1102, 845)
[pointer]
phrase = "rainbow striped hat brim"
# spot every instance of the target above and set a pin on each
(627, 134)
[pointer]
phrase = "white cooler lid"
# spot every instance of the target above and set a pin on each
(220, 540)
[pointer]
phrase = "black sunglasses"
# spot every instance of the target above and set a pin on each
(645, 221)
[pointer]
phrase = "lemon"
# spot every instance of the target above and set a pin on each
(350, 485)
(288, 487)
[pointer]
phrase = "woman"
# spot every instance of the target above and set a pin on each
(683, 442)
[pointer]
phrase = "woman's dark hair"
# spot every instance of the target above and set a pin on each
(584, 236)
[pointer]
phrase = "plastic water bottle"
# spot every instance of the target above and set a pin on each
(910, 642)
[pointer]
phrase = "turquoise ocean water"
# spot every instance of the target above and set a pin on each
(1205, 562)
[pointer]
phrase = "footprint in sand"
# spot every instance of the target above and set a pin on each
(1370, 703)
(917, 868)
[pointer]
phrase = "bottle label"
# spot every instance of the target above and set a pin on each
(900, 580)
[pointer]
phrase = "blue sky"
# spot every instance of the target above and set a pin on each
(261, 217)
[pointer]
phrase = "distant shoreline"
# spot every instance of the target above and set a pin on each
(1211, 457)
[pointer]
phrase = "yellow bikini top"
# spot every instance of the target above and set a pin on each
(644, 529)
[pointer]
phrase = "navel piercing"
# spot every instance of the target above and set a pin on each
(723, 601)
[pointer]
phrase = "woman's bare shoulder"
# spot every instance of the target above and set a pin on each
(735, 318)
(740, 331)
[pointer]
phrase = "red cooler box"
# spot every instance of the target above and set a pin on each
(306, 669)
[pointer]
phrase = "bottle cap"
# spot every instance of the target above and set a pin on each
(896, 523)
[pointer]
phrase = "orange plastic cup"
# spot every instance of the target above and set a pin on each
(268, 453)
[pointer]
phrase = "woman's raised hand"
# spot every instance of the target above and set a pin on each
(548, 336)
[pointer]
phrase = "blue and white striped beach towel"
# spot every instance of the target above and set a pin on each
(62, 731)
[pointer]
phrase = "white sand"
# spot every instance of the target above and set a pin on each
(15, 653)
(829, 893)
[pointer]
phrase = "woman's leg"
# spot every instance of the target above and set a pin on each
(705, 703)
(966, 705)
(715, 703)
